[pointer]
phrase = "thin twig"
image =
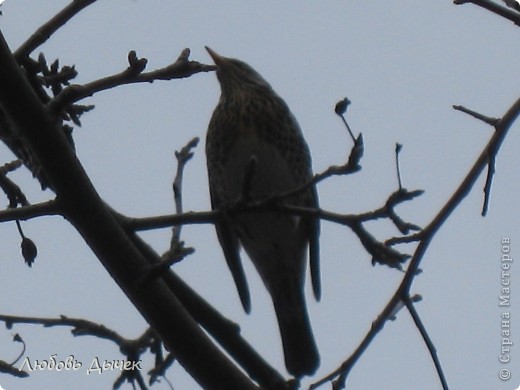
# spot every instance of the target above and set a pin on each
(341, 373)
(381, 253)
(205, 217)
(183, 156)
(398, 148)
(340, 109)
(181, 68)
(19, 339)
(80, 327)
(402, 293)
(486, 119)
(487, 186)
(132, 349)
(13, 192)
(427, 340)
(150, 223)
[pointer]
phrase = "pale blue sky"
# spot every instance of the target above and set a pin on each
(402, 63)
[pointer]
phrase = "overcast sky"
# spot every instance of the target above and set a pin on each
(403, 64)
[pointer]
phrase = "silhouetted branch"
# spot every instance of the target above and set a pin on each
(182, 156)
(381, 252)
(223, 330)
(11, 189)
(85, 210)
(132, 349)
(181, 68)
(495, 8)
(402, 294)
(427, 340)
(50, 207)
(486, 119)
(7, 368)
(177, 251)
(80, 327)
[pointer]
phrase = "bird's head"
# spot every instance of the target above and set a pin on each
(235, 75)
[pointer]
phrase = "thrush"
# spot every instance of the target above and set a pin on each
(255, 149)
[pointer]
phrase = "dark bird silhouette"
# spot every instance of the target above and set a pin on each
(254, 149)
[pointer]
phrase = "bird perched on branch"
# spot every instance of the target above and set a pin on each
(255, 149)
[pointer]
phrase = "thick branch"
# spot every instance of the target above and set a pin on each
(223, 330)
(83, 207)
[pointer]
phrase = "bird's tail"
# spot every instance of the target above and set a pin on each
(300, 350)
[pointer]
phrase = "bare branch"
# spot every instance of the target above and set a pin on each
(340, 109)
(80, 327)
(83, 207)
(11, 189)
(339, 376)
(183, 156)
(490, 121)
(50, 207)
(398, 148)
(224, 331)
(166, 221)
(487, 186)
(495, 8)
(7, 368)
(132, 349)
(181, 68)
(427, 340)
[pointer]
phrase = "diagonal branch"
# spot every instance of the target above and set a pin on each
(85, 210)
(402, 294)
(427, 340)
(495, 8)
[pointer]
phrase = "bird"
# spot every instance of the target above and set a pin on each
(255, 149)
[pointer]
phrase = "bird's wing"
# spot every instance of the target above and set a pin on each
(230, 246)
(314, 247)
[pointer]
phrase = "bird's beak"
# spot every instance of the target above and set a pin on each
(218, 59)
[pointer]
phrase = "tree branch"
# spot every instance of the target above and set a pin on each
(50, 207)
(226, 332)
(495, 8)
(182, 157)
(427, 340)
(181, 68)
(83, 207)
(402, 294)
